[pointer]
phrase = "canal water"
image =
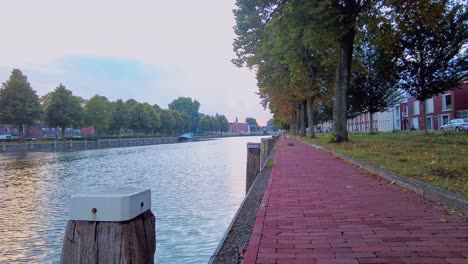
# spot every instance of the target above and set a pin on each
(196, 189)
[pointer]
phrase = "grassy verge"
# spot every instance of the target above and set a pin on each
(437, 159)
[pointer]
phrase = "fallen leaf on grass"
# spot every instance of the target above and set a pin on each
(444, 220)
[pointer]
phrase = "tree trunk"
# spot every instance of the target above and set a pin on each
(298, 118)
(20, 133)
(120, 133)
(310, 115)
(371, 123)
(63, 132)
(343, 76)
(302, 132)
(424, 114)
(292, 129)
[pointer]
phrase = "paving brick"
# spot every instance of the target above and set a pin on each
(323, 210)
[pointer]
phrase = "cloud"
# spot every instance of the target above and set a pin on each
(152, 51)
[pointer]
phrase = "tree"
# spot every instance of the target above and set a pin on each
(154, 121)
(140, 118)
(329, 27)
(63, 109)
(251, 121)
(131, 103)
(374, 74)
(167, 121)
(19, 103)
(431, 35)
(178, 121)
(186, 105)
(98, 112)
(120, 116)
(187, 123)
(205, 123)
(223, 123)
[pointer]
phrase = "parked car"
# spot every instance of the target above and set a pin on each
(455, 125)
(5, 137)
(30, 139)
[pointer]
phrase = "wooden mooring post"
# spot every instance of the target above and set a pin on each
(3, 147)
(263, 152)
(253, 164)
(110, 226)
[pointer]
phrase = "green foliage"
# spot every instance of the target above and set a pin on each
(98, 112)
(431, 38)
(187, 122)
(120, 116)
(223, 123)
(154, 121)
(167, 121)
(178, 121)
(63, 109)
(298, 46)
(205, 123)
(140, 119)
(331, 138)
(270, 164)
(431, 35)
(19, 104)
(251, 121)
(374, 75)
(186, 105)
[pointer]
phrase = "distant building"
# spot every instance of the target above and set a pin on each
(440, 109)
(9, 129)
(40, 131)
(383, 121)
(239, 128)
(408, 115)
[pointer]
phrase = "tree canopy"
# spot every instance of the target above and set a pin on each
(98, 112)
(63, 109)
(19, 103)
(186, 105)
(350, 54)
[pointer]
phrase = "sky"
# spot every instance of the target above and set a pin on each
(151, 51)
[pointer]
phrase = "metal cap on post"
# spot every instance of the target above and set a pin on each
(253, 164)
(115, 205)
(110, 226)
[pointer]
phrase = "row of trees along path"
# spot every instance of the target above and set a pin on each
(21, 106)
(338, 59)
(319, 209)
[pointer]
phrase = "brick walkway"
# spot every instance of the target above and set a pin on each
(319, 209)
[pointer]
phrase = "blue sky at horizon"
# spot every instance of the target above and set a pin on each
(152, 52)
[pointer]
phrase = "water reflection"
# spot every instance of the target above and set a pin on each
(196, 189)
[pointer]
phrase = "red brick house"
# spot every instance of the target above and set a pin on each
(9, 129)
(239, 128)
(440, 109)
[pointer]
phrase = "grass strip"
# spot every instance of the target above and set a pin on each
(438, 159)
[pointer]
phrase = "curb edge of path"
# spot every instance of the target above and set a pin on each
(432, 193)
(240, 229)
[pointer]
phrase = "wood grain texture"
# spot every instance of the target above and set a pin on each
(132, 241)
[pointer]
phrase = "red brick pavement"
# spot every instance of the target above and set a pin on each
(319, 209)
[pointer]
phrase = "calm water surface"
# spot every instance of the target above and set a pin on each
(196, 189)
